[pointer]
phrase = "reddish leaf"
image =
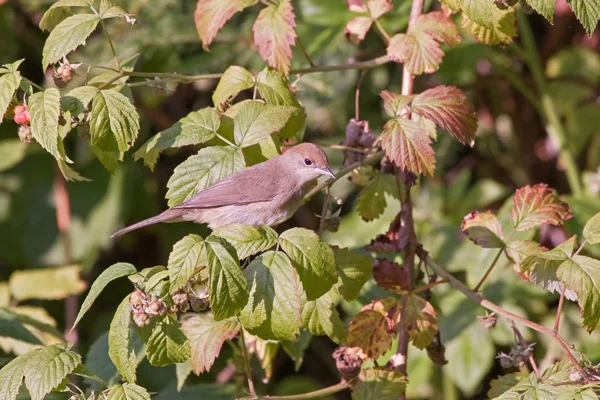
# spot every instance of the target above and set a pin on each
(421, 321)
(211, 15)
(419, 52)
(393, 103)
(356, 29)
(408, 146)
(374, 328)
(274, 35)
(439, 26)
(537, 205)
(378, 7)
(390, 276)
(356, 6)
(483, 229)
(518, 250)
(450, 109)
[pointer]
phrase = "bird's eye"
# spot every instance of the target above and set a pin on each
(307, 161)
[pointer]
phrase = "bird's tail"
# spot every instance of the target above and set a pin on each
(166, 216)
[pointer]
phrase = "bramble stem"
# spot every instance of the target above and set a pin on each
(310, 395)
(247, 364)
(559, 309)
(491, 267)
(112, 48)
(428, 286)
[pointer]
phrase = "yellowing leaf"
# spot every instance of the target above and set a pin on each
(47, 284)
(537, 205)
(394, 103)
(408, 146)
(67, 36)
(47, 367)
(591, 230)
(211, 15)
(483, 229)
(274, 34)
(374, 328)
(185, 261)
(420, 321)
(9, 83)
(379, 384)
(419, 52)
(247, 240)
(377, 8)
(234, 80)
(478, 11)
(391, 276)
(119, 342)
(356, 29)
(439, 26)
(502, 30)
(127, 391)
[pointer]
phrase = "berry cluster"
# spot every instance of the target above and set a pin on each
(22, 115)
(144, 307)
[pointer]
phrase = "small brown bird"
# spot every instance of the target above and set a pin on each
(268, 193)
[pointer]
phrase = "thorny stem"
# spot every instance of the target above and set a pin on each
(310, 395)
(247, 365)
(501, 311)
(524, 345)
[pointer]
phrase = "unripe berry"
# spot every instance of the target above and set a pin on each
(25, 134)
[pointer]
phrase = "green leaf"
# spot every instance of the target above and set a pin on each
(582, 274)
(47, 367)
(56, 13)
(450, 109)
(202, 170)
(544, 7)
(48, 283)
(9, 83)
(502, 30)
(45, 110)
(119, 342)
(591, 230)
(113, 272)
(320, 317)
(313, 259)
(167, 343)
(127, 391)
(379, 384)
(12, 151)
(256, 121)
(185, 261)
(408, 146)
(114, 124)
(537, 205)
(525, 387)
(11, 376)
(518, 250)
(246, 239)
(354, 270)
(228, 288)
(297, 348)
(234, 80)
(211, 15)
(578, 62)
(371, 201)
(587, 12)
(206, 337)
(182, 371)
(12, 327)
(78, 99)
(394, 103)
(109, 10)
(67, 36)
(478, 11)
(274, 34)
(69, 173)
(483, 229)
(273, 311)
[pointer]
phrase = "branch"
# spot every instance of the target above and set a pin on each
(310, 395)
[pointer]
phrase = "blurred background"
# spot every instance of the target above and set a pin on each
(514, 147)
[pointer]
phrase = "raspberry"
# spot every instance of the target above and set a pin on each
(19, 108)
(21, 119)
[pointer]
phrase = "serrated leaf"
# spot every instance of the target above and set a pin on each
(67, 36)
(478, 11)
(47, 367)
(408, 146)
(182, 371)
(11, 376)
(12, 151)
(48, 283)
(12, 327)
(483, 229)
(113, 272)
(394, 103)
(504, 383)
(591, 230)
(115, 123)
(247, 240)
(167, 343)
(587, 12)
(525, 387)
(202, 170)
(127, 391)
(313, 259)
(273, 311)
(379, 384)
(45, 110)
(537, 205)
(418, 51)
(274, 34)
(501, 31)
(211, 15)
(450, 109)
(206, 337)
(256, 121)
(234, 80)
(119, 342)
(56, 13)
(77, 100)
(420, 321)
(185, 261)
(320, 317)
(518, 250)
(354, 270)
(582, 274)
(391, 276)
(356, 29)
(9, 83)
(371, 201)
(372, 332)
(228, 288)
(69, 173)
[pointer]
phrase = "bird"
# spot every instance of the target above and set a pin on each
(267, 193)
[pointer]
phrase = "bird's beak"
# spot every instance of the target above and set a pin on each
(327, 171)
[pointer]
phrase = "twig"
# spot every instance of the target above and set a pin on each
(382, 32)
(489, 270)
(559, 309)
(357, 96)
(310, 395)
(581, 246)
(310, 62)
(499, 310)
(113, 80)
(112, 48)
(247, 365)
(428, 286)
(525, 346)
(346, 148)
(324, 212)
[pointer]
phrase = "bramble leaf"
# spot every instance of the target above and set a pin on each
(420, 321)
(211, 15)
(206, 337)
(274, 34)
(371, 331)
(234, 80)
(518, 250)
(9, 83)
(185, 261)
(483, 229)
(391, 276)
(439, 26)
(167, 344)
(408, 146)
(371, 202)
(379, 384)
(67, 36)
(501, 31)
(47, 367)
(115, 123)
(394, 103)
(47, 283)
(12, 327)
(478, 11)
(582, 275)
(256, 121)
(119, 342)
(247, 240)
(127, 391)
(591, 230)
(57, 13)
(587, 12)
(537, 205)
(356, 29)
(450, 109)
(45, 110)
(418, 51)
(354, 270)
(11, 376)
(320, 317)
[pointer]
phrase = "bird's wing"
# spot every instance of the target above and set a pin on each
(244, 187)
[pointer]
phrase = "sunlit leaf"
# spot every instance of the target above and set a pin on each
(478, 11)
(49, 283)
(119, 342)
(379, 384)
(11, 376)
(274, 34)
(420, 321)
(45, 110)
(167, 343)
(373, 332)
(47, 367)
(127, 391)
(185, 261)
(115, 123)
(537, 205)
(234, 80)
(320, 317)
(211, 15)
(58, 12)
(394, 103)
(587, 12)
(419, 52)
(354, 270)
(408, 146)
(439, 26)
(518, 250)
(356, 29)
(67, 36)
(591, 230)
(9, 83)
(582, 274)
(502, 30)
(483, 229)
(247, 240)
(256, 121)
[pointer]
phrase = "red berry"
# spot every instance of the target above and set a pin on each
(27, 116)
(19, 109)
(21, 119)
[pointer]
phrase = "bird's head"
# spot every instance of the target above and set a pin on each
(308, 162)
